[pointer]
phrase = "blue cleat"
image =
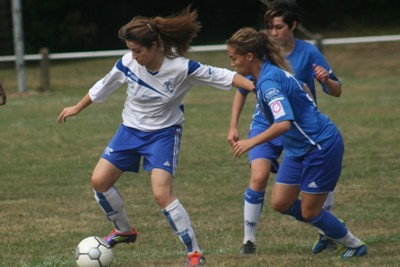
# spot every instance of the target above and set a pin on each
(323, 243)
(349, 253)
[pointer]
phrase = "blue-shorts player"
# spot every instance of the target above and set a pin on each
(313, 145)
(158, 76)
(308, 65)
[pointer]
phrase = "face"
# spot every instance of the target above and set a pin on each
(241, 63)
(281, 32)
(143, 55)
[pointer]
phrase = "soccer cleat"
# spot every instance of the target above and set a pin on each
(323, 243)
(115, 238)
(354, 252)
(248, 248)
(195, 259)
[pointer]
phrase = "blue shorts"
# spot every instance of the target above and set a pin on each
(271, 150)
(318, 171)
(159, 149)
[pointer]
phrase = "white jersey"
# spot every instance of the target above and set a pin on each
(155, 100)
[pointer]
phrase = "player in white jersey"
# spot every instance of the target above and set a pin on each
(313, 145)
(158, 77)
(307, 64)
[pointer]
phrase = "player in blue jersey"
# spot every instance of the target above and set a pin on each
(307, 63)
(312, 162)
(158, 76)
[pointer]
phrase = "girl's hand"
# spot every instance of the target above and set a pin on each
(241, 147)
(321, 73)
(67, 112)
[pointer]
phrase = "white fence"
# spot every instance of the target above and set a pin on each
(202, 48)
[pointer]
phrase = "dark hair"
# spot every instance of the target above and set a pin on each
(173, 33)
(287, 9)
(249, 40)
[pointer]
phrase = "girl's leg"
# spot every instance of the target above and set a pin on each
(178, 218)
(312, 212)
(104, 176)
(254, 198)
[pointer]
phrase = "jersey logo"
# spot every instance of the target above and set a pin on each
(168, 86)
(277, 109)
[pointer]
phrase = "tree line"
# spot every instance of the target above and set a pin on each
(76, 25)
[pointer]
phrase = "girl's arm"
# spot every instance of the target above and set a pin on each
(241, 82)
(74, 110)
(275, 130)
(237, 107)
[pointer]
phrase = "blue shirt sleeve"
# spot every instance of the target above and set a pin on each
(193, 66)
(275, 103)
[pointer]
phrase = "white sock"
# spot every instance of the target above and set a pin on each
(113, 206)
(328, 204)
(350, 241)
(179, 220)
(251, 216)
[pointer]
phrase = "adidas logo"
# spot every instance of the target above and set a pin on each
(167, 164)
(313, 185)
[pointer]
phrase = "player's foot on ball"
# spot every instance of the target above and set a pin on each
(115, 238)
(323, 242)
(354, 252)
(195, 259)
(248, 248)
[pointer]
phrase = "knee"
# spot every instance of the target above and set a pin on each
(162, 200)
(99, 184)
(308, 215)
(258, 182)
(279, 206)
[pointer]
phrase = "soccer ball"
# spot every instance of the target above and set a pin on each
(93, 251)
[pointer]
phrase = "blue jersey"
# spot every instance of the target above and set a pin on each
(281, 97)
(301, 59)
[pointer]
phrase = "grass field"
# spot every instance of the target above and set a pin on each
(47, 206)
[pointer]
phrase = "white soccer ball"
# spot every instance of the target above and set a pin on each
(93, 251)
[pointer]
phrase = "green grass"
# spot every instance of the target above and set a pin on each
(47, 206)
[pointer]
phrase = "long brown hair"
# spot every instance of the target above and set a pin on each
(174, 34)
(248, 40)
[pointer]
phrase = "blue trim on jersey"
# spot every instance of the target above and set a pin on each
(128, 73)
(193, 66)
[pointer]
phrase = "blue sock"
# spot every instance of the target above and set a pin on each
(330, 225)
(295, 211)
(254, 197)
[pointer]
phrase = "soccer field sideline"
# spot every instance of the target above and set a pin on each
(199, 48)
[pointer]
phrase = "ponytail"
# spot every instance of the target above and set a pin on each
(174, 34)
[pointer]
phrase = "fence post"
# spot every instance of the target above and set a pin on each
(44, 69)
(318, 42)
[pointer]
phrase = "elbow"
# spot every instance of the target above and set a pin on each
(338, 93)
(286, 126)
